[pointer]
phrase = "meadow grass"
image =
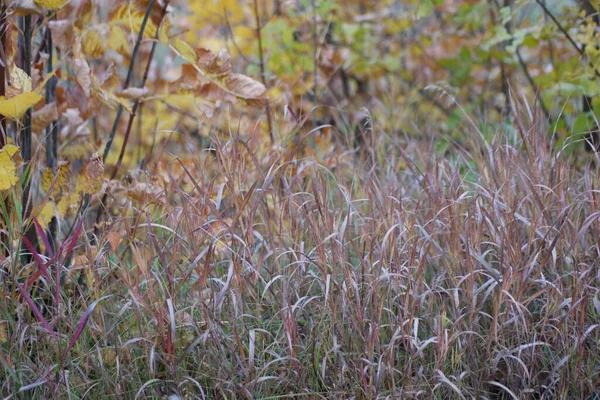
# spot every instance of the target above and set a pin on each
(469, 274)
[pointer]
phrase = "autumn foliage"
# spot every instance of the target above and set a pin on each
(280, 198)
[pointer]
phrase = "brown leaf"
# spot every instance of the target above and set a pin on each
(82, 74)
(63, 34)
(245, 87)
(114, 239)
(133, 93)
(44, 116)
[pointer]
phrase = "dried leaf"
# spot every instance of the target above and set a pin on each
(20, 82)
(82, 74)
(114, 239)
(44, 116)
(245, 87)
(133, 93)
(63, 34)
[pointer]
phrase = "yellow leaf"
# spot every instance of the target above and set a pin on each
(63, 177)
(91, 176)
(117, 39)
(76, 151)
(8, 169)
(132, 19)
(68, 204)
(46, 213)
(92, 43)
(16, 107)
(184, 50)
(51, 4)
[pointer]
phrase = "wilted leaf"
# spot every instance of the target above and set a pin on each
(44, 116)
(15, 107)
(91, 176)
(245, 87)
(114, 239)
(133, 93)
(63, 34)
(68, 204)
(82, 74)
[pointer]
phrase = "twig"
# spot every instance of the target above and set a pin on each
(567, 35)
(134, 54)
(262, 69)
(24, 43)
(52, 129)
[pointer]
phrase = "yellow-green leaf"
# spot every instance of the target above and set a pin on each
(15, 107)
(8, 168)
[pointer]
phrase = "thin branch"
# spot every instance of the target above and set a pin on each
(533, 85)
(134, 54)
(262, 68)
(567, 35)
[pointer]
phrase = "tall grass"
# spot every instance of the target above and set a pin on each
(473, 274)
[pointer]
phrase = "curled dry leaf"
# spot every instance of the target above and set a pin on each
(82, 74)
(245, 87)
(133, 93)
